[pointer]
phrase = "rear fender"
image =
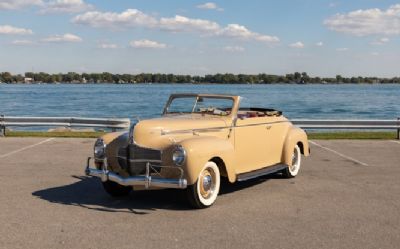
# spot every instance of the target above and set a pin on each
(295, 136)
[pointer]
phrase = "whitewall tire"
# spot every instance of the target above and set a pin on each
(293, 169)
(205, 191)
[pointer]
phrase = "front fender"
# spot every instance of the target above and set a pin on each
(114, 142)
(295, 136)
(200, 150)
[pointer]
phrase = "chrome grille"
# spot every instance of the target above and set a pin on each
(139, 153)
(134, 158)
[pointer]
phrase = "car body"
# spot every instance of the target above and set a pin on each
(198, 139)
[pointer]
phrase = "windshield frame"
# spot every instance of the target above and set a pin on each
(196, 97)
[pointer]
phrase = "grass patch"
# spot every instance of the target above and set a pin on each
(75, 134)
(352, 135)
(311, 135)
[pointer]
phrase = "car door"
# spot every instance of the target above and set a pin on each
(277, 130)
(251, 144)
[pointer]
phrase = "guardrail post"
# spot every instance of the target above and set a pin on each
(2, 126)
(398, 128)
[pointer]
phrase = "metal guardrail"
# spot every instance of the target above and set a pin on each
(107, 123)
(124, 123)
(391, 124)
(347, 124)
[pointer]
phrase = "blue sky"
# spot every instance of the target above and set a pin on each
(323, 38)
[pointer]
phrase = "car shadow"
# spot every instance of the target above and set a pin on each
(88, 193)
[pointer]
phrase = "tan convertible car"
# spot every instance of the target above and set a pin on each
(198, 139)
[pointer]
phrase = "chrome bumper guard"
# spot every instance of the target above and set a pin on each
(146, 180)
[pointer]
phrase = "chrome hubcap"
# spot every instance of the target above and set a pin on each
(207, 184)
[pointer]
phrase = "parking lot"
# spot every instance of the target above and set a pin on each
(346, 196)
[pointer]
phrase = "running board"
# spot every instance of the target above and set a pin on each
(260, 172)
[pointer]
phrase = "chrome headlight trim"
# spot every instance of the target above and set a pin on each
(99, 149)
(179, 155)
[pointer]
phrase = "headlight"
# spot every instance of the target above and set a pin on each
(99, 149)
(179, 156)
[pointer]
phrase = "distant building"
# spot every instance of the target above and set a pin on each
(28, 80)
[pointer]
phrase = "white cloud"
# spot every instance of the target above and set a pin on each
(342, 49)
(319, 44)
(62, 38)
(18, 4)
(65, 6)
(241, 32)
(108, 46)
(10, 30)
(135, 18)
(380, 41)
(128, 18)
(234, 49)
(374, 53)
(298, 44)
(181, 23)
(147, 44)
(22, 42)
(367, 22)
(209, 6)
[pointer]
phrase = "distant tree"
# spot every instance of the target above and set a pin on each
(7, 77)
(304, 77)
(297, 77)
(115, 78)
(290, 77)
(226, 78)
(107, 77)
(339, 78)
(86, 76)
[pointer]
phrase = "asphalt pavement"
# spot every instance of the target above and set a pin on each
(345, 196)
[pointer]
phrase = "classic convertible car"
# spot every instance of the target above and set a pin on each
(199, 139)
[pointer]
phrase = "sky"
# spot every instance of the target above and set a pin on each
(322, 38)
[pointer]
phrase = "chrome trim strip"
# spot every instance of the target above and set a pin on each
(260, 172)
(267, 123)
(215, 129)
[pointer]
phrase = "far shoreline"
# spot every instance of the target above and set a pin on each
(202, 83)
(158, 78)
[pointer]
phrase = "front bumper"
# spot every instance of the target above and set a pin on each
(146, 180)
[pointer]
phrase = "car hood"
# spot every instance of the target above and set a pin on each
(159, 133)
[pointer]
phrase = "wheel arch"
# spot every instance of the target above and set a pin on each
(221, 165)
(301, 146)
(295, 136)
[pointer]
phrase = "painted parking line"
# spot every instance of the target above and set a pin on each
(25, 148)
(338, 153)
(396, 142)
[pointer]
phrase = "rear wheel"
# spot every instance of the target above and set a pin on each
(293, 169)
(116, 190)
(204, 192)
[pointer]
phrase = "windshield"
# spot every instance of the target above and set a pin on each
(198, 104)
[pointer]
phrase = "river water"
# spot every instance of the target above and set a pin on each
(147, 100)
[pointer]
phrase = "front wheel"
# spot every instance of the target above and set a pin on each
(292, 170)
(116, 190)
(204, 192)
